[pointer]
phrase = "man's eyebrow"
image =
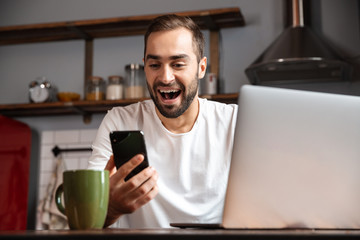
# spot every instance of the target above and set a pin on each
(174, 57)
(180, 56)
(150, 56)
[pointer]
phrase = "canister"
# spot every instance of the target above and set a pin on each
(115, 88)
(210, 84)
(95, 89)
(135, 81)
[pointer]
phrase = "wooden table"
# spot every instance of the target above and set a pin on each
(182, 234)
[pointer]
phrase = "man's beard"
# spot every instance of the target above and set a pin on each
(171, 111)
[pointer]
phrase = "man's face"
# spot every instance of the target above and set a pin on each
(172, 71)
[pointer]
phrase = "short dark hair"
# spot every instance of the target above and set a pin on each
(171, 22)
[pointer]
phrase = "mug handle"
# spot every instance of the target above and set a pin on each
(58, 199)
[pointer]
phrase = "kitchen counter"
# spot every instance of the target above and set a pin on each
(182, 234)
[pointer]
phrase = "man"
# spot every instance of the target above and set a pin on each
(189, 139)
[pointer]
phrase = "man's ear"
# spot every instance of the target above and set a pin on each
(202, 67)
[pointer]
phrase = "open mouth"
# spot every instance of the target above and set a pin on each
(169, 94)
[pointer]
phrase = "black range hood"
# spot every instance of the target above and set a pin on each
(298, 55)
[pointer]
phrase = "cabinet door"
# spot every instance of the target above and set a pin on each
(15, 144)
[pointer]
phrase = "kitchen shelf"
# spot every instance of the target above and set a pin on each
(84, 107)
(213, 19)
(88, 30)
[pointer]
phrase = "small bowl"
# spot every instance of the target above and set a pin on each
(68, 96)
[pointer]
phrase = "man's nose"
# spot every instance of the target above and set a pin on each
(167, 74)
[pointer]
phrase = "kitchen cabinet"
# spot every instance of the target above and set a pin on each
(88, 30)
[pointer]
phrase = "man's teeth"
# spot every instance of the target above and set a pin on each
(169, 91)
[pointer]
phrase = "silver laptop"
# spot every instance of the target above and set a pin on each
(296, 161)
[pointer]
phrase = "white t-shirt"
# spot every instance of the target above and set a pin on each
(193, 167)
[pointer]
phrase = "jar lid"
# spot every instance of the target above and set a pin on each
(115, 79)
(95, 79)
(133, 66)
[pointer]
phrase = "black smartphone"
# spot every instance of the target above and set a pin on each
(125, 145)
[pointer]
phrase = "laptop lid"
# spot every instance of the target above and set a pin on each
(296, 161)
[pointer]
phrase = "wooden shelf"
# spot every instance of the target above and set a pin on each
(213, 19)
(88, 30)
(83, 107)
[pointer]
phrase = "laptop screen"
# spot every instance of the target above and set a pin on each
(296, 161)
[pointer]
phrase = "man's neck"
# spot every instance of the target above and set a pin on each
(183, 123)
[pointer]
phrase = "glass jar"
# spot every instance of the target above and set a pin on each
(135, 81)
(115, 89)
(95, 89)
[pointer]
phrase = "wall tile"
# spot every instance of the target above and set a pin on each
(47, 165)
(46, 151)
(87, 136)
(71, 163)
(67, 136)
(83, 163)
(47, 137)
(45, 178)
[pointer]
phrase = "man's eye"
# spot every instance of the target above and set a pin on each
(178, 65)
(154, 65)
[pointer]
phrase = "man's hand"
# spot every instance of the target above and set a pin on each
(126, 197)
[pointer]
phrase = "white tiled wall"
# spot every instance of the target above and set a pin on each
(72, 160)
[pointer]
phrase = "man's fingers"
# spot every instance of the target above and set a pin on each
(141, 184)
(110, 166)
(143, 181)
(126, 168)
(148, 197)
(140, 195)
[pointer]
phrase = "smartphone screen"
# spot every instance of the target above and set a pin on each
(125, 145)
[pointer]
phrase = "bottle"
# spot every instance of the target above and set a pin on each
(135, 81)
(95, 89)
(115, 88)
(211, 83)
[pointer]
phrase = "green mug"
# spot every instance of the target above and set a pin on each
(86, 196)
